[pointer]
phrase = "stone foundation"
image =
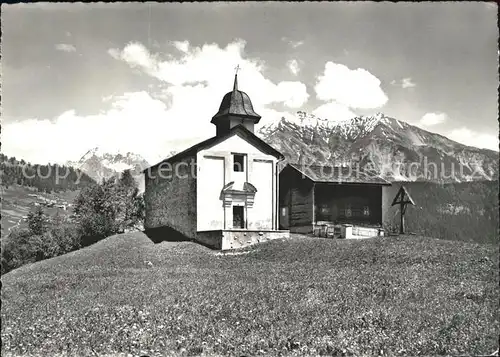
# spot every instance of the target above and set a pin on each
(366, 232)
(238, 238)
(347, 231)
(306, 229)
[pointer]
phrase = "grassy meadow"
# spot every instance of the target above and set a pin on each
(403, 296)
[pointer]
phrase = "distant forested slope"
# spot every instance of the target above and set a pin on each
(466, 211)
(45, 178)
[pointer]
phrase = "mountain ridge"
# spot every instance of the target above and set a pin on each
(394, 149)
(100, 164)
(397, 150)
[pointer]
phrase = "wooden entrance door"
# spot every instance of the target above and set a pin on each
(238, 217)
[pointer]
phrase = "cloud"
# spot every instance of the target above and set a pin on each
(292, 43)
(171, 117)
(334, 111)
(293, 66)
(344, 90)
(182, 46)
(291, 94)
(473, 138)
(353, 88)
(133, 122)
(404, 83)
(207, 66)
(296, 44)
(271, 116)
(65, 47)
(431, 119)
(136, 55)
(407, 83)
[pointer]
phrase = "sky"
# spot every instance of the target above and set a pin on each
(148, 77)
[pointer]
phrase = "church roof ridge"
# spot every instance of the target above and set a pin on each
(217, 139)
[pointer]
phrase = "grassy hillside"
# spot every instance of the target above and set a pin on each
(17, 201)
(465, 211)
(305, 296)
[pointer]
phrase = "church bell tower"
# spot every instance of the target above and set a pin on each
(235, 109)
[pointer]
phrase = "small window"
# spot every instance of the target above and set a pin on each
(239, 162)
(238, 217)
(366, 211)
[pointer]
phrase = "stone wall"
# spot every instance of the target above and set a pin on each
(171, 200)
(212, 239)
(234, 239)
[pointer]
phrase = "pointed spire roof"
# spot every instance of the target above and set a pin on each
(235, 85)
(236, 103)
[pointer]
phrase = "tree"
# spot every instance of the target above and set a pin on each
(64, 233)
(45, 238)
(37, 221)
(126, 179)
(16, 250)
(93, 213)
(114, 206)
(130, 202)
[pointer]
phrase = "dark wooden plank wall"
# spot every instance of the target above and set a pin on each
(296, 194)
(305, 209)
(301, 202)
(338, 196)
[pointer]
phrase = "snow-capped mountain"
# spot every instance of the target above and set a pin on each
(99, 164)
(397, 150)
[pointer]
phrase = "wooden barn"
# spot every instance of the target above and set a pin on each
(314, 198)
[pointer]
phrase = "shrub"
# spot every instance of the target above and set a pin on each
(111, 207)
(101, 210)
(16, 250)
(45, 238)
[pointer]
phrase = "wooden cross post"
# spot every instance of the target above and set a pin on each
(402, 198)
(402, 207)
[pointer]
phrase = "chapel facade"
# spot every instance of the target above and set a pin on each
(221, 192)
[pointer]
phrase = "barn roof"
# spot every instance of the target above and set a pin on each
(336, 174)
(239, 129)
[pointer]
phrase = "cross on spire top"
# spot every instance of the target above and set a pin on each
(235, 85)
